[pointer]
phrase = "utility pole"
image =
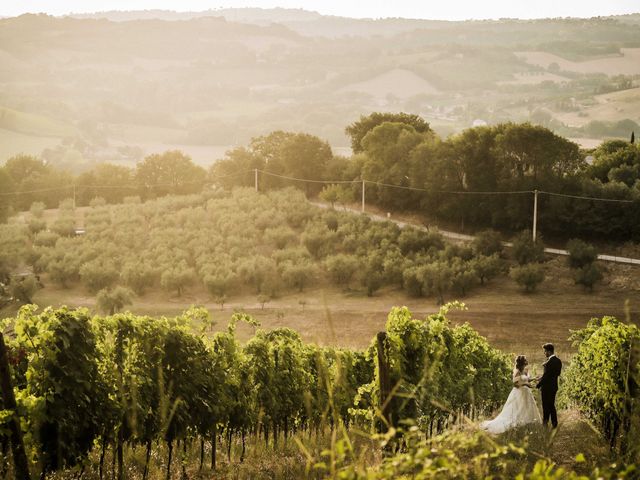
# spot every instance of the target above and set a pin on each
(362, 195)
(385, 381)
(535, 214)
(255, 172)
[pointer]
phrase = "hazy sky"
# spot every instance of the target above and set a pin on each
(431, 9)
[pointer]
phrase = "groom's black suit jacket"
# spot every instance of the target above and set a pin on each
(549, 380)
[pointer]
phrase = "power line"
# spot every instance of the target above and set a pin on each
(331, 182)
(133, 187)
(42, 190)
(597, 199)
(460, 192)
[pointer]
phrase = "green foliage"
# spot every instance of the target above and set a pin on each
(581, 254)
(359, 129)
(63, 271)
(525, 250)
(37, 209)
(63, 376)
(487, 268)
(97, 275)
(487, 243)
(64, 226)
(319, 240)
(588, 276)
(342, 268)
(23, 288)
(169, 172)
(412, 240)
(177, 278)
(437, 279)
(336, 193)
(37, 225)
(97, 202)
(111, 301)
(602, 378)
(139, 276)
(299, 275)
(528, 276)
(435, 369)
(66, 205)
(126, 380)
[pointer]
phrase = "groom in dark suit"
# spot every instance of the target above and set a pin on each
(548, 385)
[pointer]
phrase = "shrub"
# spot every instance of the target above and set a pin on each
(298, 275)
(64, 226)
(218, 284)
(111, 301)
(280, 237)
(412, 281)
(37, 209)
(487, 268)
(138, 276)
(319, 240)
(464, 278)
(97, 275)
(63, 271)
(23, 289)
(342, 267)
(97, 202)
(66, 205)
(581, 253)
(177, 278)
(412, 240)
(46, 239)
(36, 225)
(525, 250)
(588, 276)
(487, 243)
(131, 200)
(528, 276)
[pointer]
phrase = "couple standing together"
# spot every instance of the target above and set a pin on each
(520, 407)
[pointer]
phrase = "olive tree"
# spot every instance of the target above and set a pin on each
(111, 301)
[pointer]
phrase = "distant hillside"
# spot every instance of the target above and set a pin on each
(214, 79)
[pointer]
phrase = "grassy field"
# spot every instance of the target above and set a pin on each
(15, 143)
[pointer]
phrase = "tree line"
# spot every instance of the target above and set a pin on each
(394, 149)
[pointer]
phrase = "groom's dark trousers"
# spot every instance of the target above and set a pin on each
(548, 386)
(549, 407)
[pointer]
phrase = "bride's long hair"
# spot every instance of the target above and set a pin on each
(521, 362)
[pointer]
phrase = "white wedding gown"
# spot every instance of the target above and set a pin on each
(519, 409)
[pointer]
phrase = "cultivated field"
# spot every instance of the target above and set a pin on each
(606, 107)
(627, 63)
(397, 82)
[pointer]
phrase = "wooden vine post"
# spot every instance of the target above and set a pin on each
(384, 377)
(20, 463)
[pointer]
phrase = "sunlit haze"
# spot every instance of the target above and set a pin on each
(451, 10)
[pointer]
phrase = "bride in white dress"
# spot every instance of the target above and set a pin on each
(520, 407)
